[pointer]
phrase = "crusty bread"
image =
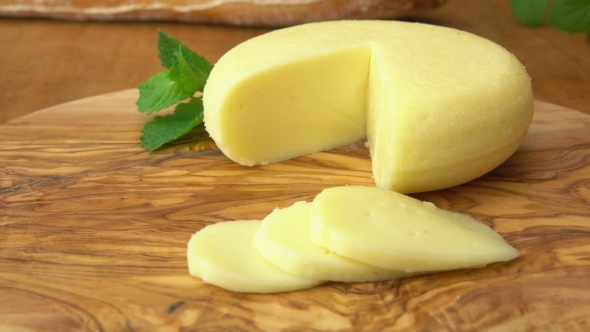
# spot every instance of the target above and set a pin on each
(234, 12)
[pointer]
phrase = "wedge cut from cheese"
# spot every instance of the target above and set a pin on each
(439, 106)
(285, 241)
(393, 231)
(222, 254)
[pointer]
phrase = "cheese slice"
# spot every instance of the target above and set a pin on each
(439, 106)
(393, 231)
(285, 241)
(222, 254)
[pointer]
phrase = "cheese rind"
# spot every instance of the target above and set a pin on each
(284, 240)
(455, 112)
(222, 254)
(393, 231)
(427, 98)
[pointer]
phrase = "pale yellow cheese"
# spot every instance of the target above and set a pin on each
(260, 110)
(222, 254)
(439, 106)
(284, 240)
(393, 231)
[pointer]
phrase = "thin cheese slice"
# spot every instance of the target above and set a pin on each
(438, 106)
(222, 254)
(285, 241)
(393, 231)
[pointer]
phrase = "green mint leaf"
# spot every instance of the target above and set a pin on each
(198, 65)
(160, 91)
(186, 74)
(571, 15)
(181, 72)
(167, 47)
(165, 129)
(529, 12)
(173, 54)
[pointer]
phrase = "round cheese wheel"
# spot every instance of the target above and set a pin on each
(438, 106)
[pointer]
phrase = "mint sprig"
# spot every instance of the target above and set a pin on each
(161, 91)
(572, 16)
(166, 129)
(186, 74)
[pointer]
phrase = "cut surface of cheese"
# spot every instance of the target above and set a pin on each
(286, 111)
(439, 106)
(393, 231)
(285, 241)
(222, 254)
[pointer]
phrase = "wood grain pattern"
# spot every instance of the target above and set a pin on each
(93, 233)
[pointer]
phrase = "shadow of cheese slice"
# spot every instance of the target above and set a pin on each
(393, 231)
(438, 106)
(222, 254)
(285, 241)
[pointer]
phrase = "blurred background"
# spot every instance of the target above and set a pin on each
(49, 61)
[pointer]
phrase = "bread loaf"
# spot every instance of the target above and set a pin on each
(235, 12)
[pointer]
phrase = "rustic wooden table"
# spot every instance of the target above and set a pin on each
(45, 62)
(93, 229)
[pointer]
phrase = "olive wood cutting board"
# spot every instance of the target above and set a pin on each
(93, 232)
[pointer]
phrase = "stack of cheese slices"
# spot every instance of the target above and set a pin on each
(349, 233)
